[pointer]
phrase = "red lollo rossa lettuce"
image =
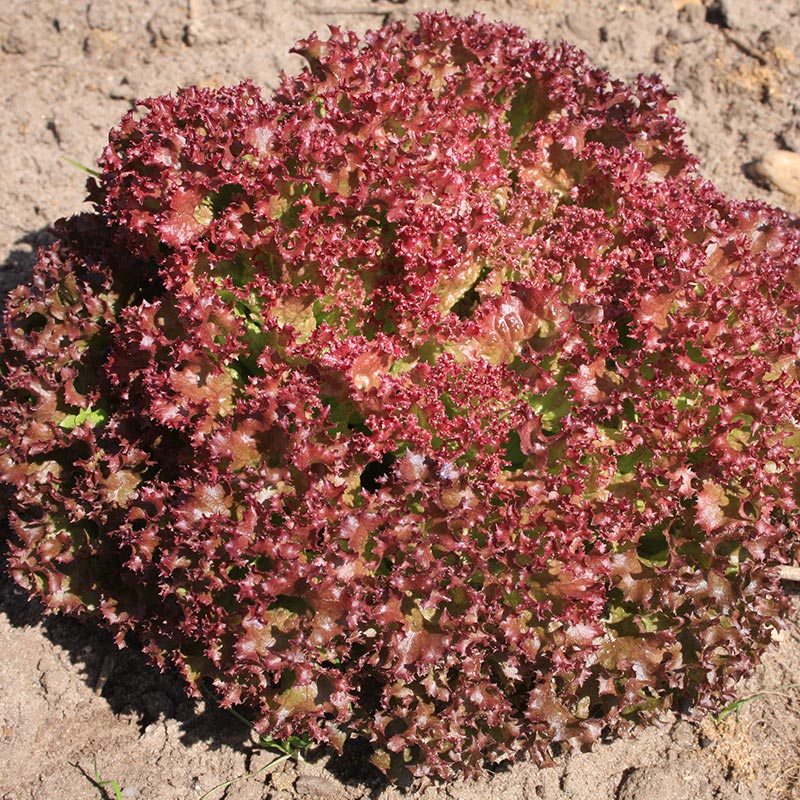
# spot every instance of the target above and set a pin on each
(435, 401)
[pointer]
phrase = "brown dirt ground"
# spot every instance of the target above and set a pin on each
(68, 70)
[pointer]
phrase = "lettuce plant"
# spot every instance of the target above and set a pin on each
(435, 400)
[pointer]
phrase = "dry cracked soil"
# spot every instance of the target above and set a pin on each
(75, 712)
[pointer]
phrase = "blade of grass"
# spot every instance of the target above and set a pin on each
(733, 708)
(99, 782)
(265, 768)
(82, 167)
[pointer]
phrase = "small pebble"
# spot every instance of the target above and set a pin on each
(781, 168)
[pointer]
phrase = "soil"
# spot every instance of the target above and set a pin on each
(76, 712)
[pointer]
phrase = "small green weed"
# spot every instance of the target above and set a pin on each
(288, 748)
(735, 706)
(261, 770)
(82, 167)
(291, 746)
(109, 788)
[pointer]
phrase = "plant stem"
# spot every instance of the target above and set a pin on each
(265, 768)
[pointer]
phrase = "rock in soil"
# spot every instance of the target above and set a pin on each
(781, 168)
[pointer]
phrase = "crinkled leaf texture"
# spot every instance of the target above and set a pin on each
(435, 400)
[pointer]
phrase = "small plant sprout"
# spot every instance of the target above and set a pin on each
(110, 789)
(735, 706)
(269, 767)
(82, 167)
(292, 747)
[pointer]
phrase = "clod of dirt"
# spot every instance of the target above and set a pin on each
(730, 14)
(781, 168)
(683, 735)
(282, 780)
(585, 25)
(664, 783)
(789, 137)
(316, 786)
(736, 14)
(692, 15)
(14, 45)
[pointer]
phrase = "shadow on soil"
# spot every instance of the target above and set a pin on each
(19, 264)
(131, 685)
